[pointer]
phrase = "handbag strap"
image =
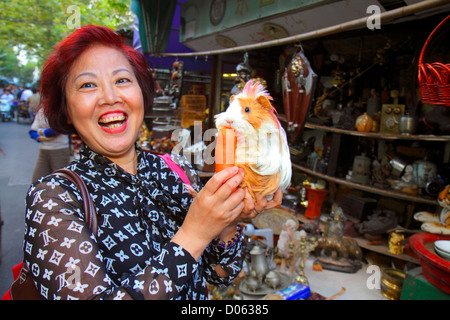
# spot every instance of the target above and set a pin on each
(89, 207)
(23, 288)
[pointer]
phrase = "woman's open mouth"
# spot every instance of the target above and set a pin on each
(113, 122)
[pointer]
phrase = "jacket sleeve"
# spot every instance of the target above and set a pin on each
(66, 263)
(230, 259)
(33, 134)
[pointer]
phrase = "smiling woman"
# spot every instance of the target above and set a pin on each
(105, 103)
(55, 72)
(154, 239)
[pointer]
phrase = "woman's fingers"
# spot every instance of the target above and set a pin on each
(248, 201)
(220, 178)
(221, 194)
(230, 185)
(251, 209)
(276, 200)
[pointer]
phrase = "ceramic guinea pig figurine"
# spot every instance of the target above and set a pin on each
(262, 149)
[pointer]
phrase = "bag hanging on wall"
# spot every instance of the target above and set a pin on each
(23, 287)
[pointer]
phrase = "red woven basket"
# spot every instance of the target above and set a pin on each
(434, 78)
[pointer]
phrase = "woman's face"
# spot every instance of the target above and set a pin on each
(104, 102)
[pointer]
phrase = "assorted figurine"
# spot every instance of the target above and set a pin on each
(396, 242)
(335, 251)
(305, 247)
(433, 223)
(289, 238)
(261, 277)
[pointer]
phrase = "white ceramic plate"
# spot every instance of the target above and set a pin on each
(443, 245)
(442, 254)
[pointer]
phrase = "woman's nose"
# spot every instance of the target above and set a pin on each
(110, 95)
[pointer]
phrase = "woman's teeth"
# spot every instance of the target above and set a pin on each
(112, 122)
(112, 126)
(112, 119)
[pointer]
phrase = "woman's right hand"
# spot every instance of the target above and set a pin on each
(42, 138)
(215, 207)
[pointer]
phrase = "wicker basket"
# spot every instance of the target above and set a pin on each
(434, 78)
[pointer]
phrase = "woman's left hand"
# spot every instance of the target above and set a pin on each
(252, 209)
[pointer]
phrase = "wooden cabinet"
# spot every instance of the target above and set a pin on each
(344, 141)
(443, 141)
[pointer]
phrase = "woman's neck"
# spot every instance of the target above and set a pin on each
(127, 162)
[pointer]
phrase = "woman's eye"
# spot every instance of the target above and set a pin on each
(123, 80)
(247, 109)
(87, 85)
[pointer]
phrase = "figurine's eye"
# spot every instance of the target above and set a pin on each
(247, 109)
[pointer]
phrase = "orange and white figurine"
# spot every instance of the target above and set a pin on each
(260, 142)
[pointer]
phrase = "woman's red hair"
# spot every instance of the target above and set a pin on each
(58, 64)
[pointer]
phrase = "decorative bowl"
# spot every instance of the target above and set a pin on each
(435, 268)
(391, 283)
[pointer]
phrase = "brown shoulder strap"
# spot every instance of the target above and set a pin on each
(89, 207)
(23, 288)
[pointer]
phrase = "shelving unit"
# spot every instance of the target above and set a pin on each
(412, 200)
(381, 192)
(364, 243)
(378, 135)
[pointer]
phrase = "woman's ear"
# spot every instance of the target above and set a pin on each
(69, 120)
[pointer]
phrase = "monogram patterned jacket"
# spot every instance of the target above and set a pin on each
(132, 256)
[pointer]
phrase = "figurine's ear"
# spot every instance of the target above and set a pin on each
(264, 102)
(232, 98)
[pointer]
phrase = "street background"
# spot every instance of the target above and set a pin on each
(18, 153)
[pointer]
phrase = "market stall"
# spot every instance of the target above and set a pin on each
(369, 151)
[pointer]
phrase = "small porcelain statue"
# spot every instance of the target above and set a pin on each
(286, 242)
(396, 242)
(438, 224)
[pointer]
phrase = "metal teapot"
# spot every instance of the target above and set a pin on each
(273, 279)
(260, 260)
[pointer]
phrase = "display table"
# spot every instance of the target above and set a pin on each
(328, 283)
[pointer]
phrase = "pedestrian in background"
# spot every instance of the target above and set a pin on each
(33, 102)
(54, 151)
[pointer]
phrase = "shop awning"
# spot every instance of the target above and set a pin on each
(155, 21)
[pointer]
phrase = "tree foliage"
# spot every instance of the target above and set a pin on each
(8, 62)
(37, 25)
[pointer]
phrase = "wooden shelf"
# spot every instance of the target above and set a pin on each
(382, 192)
(364, 243)
(377, 135)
